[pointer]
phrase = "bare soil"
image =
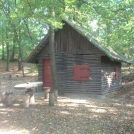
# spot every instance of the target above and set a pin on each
(110, 115)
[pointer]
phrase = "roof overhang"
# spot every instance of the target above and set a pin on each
(109, 52)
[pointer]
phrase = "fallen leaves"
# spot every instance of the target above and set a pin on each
(94, 116)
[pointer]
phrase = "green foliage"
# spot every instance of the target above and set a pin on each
(25, 22)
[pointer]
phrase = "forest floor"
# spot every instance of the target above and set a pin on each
(109, 115)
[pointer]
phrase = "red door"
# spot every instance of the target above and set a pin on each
(47, 79)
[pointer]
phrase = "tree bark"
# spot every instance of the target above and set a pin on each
(20, 65)
(13, 52)
(108, 30)
(3, 51)
(3, 45)
(7, 48)
(52, 96)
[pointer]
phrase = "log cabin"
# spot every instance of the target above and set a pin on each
(83, 66)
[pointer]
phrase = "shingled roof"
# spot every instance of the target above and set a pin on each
(107, 50)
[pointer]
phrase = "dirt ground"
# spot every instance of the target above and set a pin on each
(109, 115)
(113, 115)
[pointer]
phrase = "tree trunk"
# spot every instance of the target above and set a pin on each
(7, 48)
(52, 96)
(3, 45)
(20, 66)
(15, 40)
(108, 30)
(23, 73)
(13, 52)
(3, 51)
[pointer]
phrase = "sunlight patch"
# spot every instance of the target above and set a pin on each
(129, 105)
(99, 110)
(112, 110)
(14, 132)
(65, 112)
(5, 121)
(1, 105)
(6, 110)
(16, 104)
(81, 101)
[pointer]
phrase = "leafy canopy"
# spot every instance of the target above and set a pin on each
(111, 22)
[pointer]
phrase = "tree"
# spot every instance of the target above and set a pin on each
(19, 32)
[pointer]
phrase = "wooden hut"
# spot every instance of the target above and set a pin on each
(83, 66)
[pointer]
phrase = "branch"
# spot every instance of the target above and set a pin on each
(30, 6)
(28, 29)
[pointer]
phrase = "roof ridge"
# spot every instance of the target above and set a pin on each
(113, 55)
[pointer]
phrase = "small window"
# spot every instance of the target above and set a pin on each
(81, 72)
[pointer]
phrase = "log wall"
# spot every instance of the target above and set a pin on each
(73, 49)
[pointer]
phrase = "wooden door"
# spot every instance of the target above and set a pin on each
(47, 79)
